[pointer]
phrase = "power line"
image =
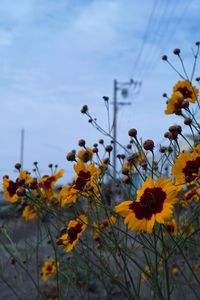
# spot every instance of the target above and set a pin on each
(165, 41)
(158, 32)
(145, 37)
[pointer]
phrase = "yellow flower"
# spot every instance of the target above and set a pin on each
(154, 203)
(186, 167)
(192, 194)
(47, 183)
(189, 92)
(104, 224)
(84, 183)
(10, 187)
(145, 275)
(85, 155)
(29, 213)
(49, 269)
(171, 226)
(74, 231)
(9, 190)
(174, 104)
(175, 270)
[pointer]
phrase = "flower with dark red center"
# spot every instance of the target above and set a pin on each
(74, 231)
(47, 183)
(86, 180)
(10, 187)
(49, 269)
(82, 179)
(187, 166)
(154, 203)
(189, 92)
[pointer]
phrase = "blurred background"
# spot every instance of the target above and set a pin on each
(56, 56)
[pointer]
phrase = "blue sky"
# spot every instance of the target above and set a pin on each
(56, 56)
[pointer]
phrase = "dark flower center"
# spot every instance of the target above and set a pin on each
(191, 169)
(170, 228)
(74, 231)
(150, 203)
(48, 182)
(49, 268)
(83, 178)
(12, 188)
(185, 92)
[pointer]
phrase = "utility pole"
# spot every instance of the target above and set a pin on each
(22, 149)
(114, 127)
(124, 88)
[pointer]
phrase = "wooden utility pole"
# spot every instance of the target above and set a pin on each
(124, 88)
(22, 149)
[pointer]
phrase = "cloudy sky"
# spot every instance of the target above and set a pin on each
(56, 56)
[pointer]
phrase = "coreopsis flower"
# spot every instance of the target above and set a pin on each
(145, 275)
(74, 231)
(29, 212)
(98, 227)
(189, 92)
(10, 187)
(171, 226)
(175, 270)
(174, 104)
(47, 183)
(154, 203)
(84, 181)
(85, 155)
(186, 167)
(49, 269)
(192, 194)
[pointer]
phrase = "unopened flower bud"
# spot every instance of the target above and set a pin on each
(105, 98)
(148, 145)
(109, 148)
(101, 141)
(81, 143)
(175, 129)
(20, 191)
(84, 109)
(129, 146)
(198, 78)
(176, 51)
(95, 150)
(18, 166)
(33, 183)
(132, 132)
(162, 149)
(50, 166)
(71, 156)
(123, 156)
(187, 121)
(197, 43)
(106, 160)
(164, 57)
